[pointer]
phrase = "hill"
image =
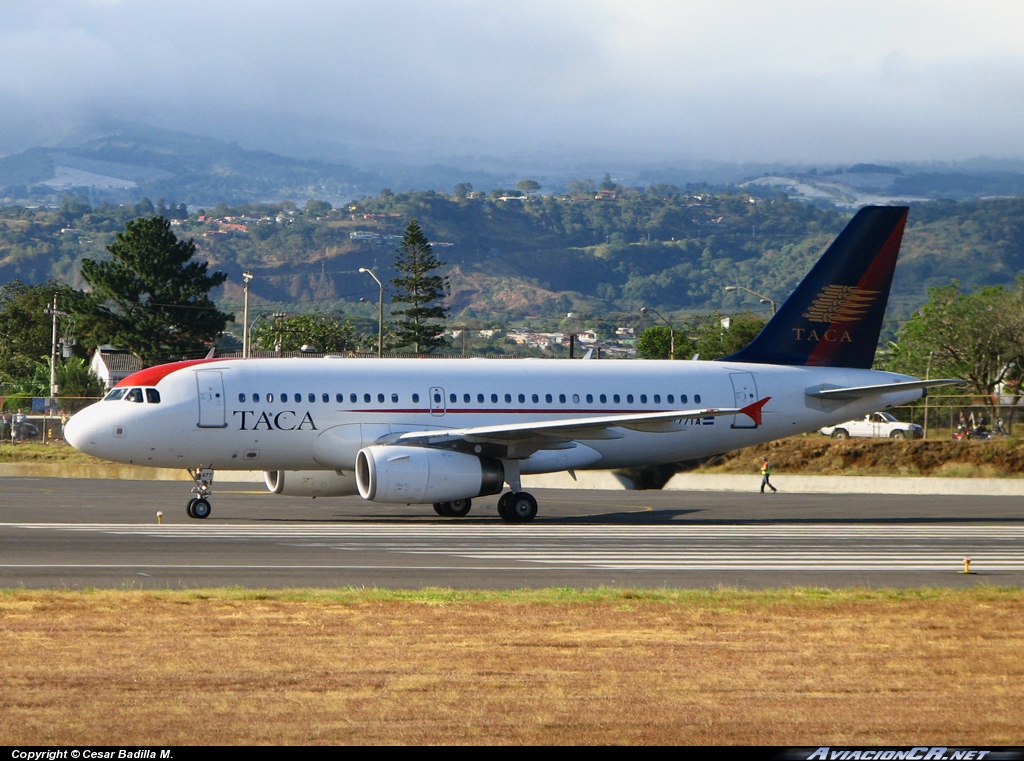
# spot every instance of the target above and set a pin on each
(537, 257)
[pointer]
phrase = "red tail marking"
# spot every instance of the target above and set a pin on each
(753, 411)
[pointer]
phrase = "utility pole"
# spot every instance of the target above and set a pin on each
(380, 311)
(55, 313)
(246, 277)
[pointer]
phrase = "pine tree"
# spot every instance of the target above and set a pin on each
(423, 325)
(151, 297)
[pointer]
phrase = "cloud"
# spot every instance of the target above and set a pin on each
(792, 80)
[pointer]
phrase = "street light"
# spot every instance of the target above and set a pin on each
(764, 299)
(246, 278)
(380, 312)
(671, 331)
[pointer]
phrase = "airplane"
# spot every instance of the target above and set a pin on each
(444, 432)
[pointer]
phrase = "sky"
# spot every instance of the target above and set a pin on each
(796, 81)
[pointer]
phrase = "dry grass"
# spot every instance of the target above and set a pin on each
(799, 667)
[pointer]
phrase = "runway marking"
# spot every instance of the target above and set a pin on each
(826, 547)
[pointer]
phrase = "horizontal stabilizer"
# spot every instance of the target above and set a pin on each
(859, 392)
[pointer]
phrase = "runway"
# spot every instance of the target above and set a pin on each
(65, 533)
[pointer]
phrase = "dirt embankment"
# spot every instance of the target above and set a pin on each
(816, 455)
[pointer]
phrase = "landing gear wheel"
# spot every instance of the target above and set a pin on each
(200, 508)
(188, 510)
(503, 502)
(441, 508)
(459, 507)
(517, 507)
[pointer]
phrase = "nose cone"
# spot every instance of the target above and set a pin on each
(80, 430)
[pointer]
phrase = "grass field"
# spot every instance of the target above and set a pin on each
(793, 667)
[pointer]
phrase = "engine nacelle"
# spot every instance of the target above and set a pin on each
(311, 483)
(419, 475)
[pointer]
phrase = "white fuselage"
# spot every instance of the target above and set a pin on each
(315, 414)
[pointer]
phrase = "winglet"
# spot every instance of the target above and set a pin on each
(753, 411)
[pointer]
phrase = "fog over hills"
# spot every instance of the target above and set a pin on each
(488, 91)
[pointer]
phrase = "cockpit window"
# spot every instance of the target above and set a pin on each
(135, 395)
(114, 395)
(152, 396)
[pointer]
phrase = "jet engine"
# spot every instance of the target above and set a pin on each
(420, 475)
(311, 483)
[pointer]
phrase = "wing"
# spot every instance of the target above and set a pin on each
(520, 440)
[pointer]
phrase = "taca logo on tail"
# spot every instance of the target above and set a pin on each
(834, 317)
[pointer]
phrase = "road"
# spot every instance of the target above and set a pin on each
(71, 533)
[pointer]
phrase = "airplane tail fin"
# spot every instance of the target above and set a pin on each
(834, 317)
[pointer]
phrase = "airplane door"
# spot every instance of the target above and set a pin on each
(745, 392)
(437, 408)
(210, 384)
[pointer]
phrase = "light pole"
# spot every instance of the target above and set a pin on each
(764, 299)
(246, 278)
(671, 331)
(380, 312)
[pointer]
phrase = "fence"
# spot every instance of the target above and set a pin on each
(28, 419)
(941, 416)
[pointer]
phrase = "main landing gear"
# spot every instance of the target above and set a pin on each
(517, 507)
(456, 509)
(199, 506)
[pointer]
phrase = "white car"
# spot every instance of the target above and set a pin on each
(875, 425)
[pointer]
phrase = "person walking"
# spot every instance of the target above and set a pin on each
(766, 471)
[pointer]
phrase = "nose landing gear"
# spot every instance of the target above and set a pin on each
(199, 506)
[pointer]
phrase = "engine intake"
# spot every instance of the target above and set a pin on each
(420, 475)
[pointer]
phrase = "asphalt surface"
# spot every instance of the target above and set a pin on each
(75, 533)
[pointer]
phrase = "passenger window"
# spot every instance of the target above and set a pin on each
(255, 397)
(479, 398)
(494, 398)
(325, 398)
(522, 398)
(311, 398)
(153, 396)
(241, 397)
(590, 398)
(437, 398)
(670, 399)
(453, 398)
(603, 398)
(366, 398)
(339, 398)
(682, 398)
(508, 398)
(380, 398)
(561, 398)
(547, 398)
(353, 398)
(629, 398)
(135, 395)
(394, 398)
(466, 398)
(535, 398)
(696, 398)
(643, 398)
(575, 398)
(415, 398)
(615, 398)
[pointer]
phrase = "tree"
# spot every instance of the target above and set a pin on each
(25, 328)
(420, 290)
(719, 336)
(978, 337)
(463, 189)
(323, 332)
(150, 297)
(528, 186)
